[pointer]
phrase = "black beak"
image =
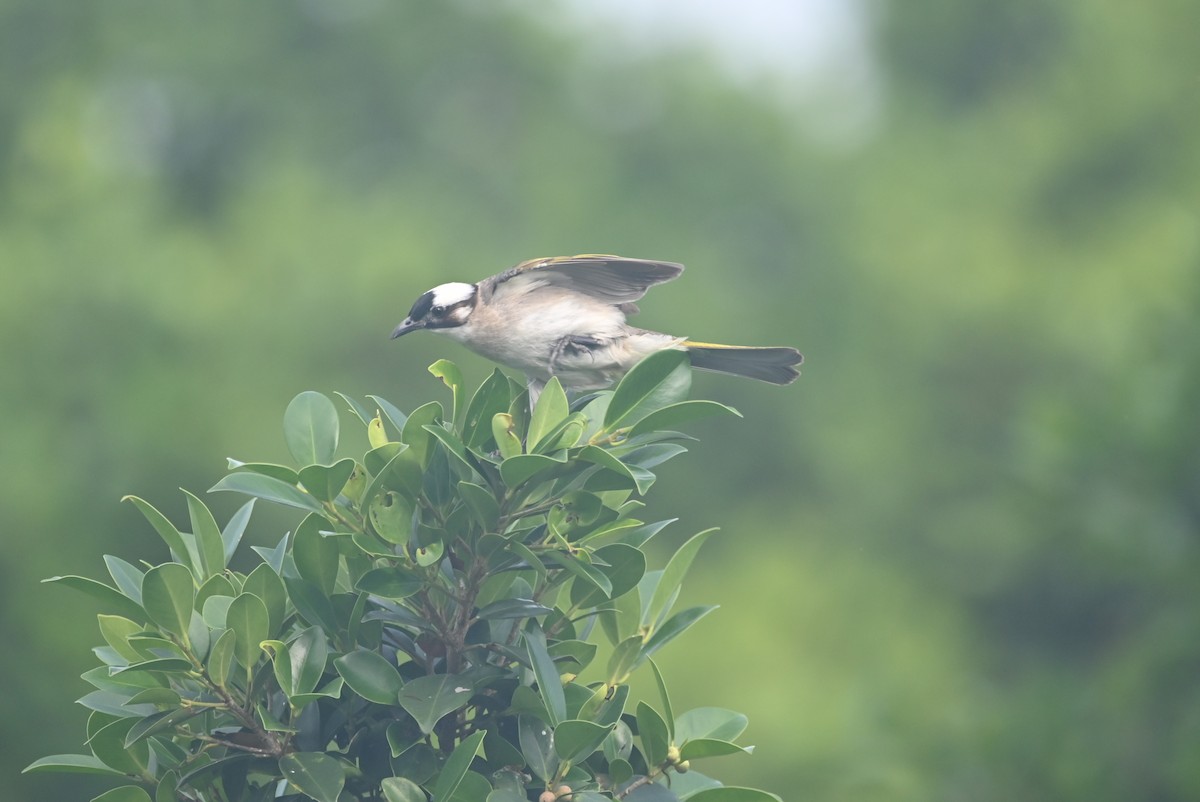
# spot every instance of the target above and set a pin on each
(405, 327)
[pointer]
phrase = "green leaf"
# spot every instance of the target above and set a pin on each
(698, 748)
(390, 411)
(108, 744)
(166, 530)
(418, 438)
(231, 535)
(167, 594)
(668, 713)
(317, 557)
(209, 544)
(709, 722)
(675, 626)
(453, 446)
(308, 654)
(624, 659)
(490, 399)
(638, 477)
(395, 582)
(549, 685)
(624, 566)
(391, 516)
(512, 608)
(579, 566)
(126, 793)
(360, 410)
(109, 597)
(315, 774)
(731, 793)
(116, 630)
(452, 377)
(537, 745)
(281, 472)
(325, 482)
(482, 504)
(220, 657)
(164, 665)
(551, 409)
(660, 379)
(70, 764)
(248, 619)
(672, 577)
(370, 675)
(574, 739)
(429, 698)
(523, 467)
(504, 433)
(310, 428)
(669, 417)
(401, 789)
(267, 488)
(312, 605)
(474, 787)
(654, 734)
(264, 583)
(456, 766)
(128, 578)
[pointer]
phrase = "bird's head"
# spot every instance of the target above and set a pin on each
(446, 306)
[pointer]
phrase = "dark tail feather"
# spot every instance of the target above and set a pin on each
(776, 365)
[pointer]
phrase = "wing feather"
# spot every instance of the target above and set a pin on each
(612, 279)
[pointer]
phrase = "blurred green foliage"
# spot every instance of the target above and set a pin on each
(964, 544)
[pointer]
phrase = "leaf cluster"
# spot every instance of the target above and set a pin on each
(420, 632)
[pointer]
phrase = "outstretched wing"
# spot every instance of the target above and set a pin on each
(612, 279)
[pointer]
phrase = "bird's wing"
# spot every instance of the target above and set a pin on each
(611, 279)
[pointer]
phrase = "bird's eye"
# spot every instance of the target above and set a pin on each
(438, 311)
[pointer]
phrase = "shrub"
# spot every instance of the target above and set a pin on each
(420, 632)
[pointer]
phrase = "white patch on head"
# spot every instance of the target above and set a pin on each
(452, 293)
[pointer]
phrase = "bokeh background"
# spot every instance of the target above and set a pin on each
(961, 557)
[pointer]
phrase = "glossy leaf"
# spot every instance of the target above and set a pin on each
(549, 685)
(310, 428)
(248, 619)
(126, 793)
(665, 697)
(674, 626)
(267, 488)
(312, 605)
(673, 415)
(390, 411)
(281, 472)
(221, 656)
(315, 774)
(116, 630)
(710, 722)
(391, 516)
(109, 597)
(549, 411)
(662, 378)
(419, 440)
(317, 557)
(357, 407)
(166, 530)
(485, 510)
(490, 399)
(456, 765)
(401, 789)
(654, 734)
(71, 764)
(128, 578)
(672, 577)
(519, 469)
(512, 608)
(429, 698)
(325, 482)
(581, 568)
(504, 433)
(639, 478)
(537, 745)
(264, 583)
(308, 653)
(452, 377)
(394, 582)
(574, 740)
(370, 675)
(167, 594)
(698, 748)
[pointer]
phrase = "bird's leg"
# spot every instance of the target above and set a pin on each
(578, 343)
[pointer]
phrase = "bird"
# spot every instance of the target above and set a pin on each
(566, 317)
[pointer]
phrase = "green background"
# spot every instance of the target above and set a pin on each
(960, 555)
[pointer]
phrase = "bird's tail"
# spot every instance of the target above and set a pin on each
(776, 365)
